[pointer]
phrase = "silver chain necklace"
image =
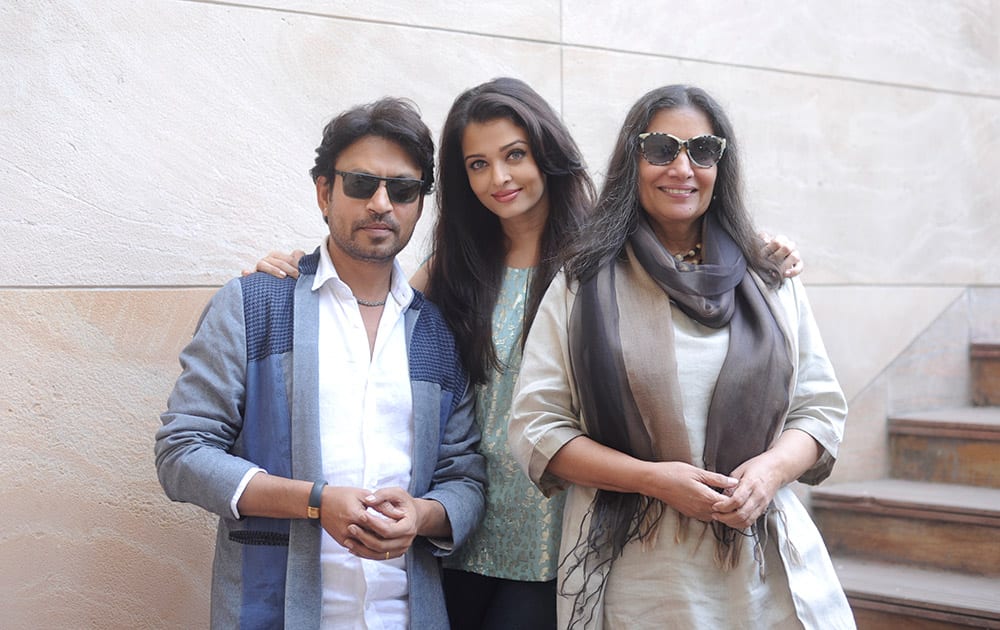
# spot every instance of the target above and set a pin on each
(372, 304)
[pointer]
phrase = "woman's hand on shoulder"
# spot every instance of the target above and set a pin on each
(279, 264)
(783, 251)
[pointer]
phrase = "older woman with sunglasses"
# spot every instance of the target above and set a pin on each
(675, 384)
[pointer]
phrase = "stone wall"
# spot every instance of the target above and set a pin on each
(152, 149)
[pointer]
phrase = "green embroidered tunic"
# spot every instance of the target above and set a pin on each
(519, 536)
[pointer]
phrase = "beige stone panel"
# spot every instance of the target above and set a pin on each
(864, 452)
(877, 184)
(87, 537)
(952, 46)
(984, 307)
(842, 168)
(865, 329)
(169, 142)
(933, 372)
(517, 19)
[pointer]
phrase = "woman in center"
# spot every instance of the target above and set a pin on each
(513, 189)
(674, 384)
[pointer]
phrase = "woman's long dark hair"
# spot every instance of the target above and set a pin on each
(467, 267)
(617, 210)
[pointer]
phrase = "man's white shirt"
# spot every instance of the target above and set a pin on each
(366, 435)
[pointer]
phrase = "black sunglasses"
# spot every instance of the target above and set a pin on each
(363, 186)
(663, 148)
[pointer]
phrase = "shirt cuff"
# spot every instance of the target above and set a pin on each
(241, 488)
(444, 544)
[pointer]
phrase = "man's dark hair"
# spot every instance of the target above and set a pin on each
(395, 119)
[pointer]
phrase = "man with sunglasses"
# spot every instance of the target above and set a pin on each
(327, 419)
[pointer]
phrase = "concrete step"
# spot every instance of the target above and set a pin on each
(943, 526)
(984, 359)
(887, 596)
(958, 446)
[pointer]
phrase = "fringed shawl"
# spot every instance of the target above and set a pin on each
(622, 353)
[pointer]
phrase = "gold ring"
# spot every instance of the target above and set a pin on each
(387, 555)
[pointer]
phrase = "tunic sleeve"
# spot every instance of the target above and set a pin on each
(545, 413)
(818, 406)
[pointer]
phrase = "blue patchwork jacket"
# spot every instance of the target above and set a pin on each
(247, 396)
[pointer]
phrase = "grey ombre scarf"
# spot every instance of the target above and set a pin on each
(622, 353)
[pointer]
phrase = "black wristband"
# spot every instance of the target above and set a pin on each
(315, 499)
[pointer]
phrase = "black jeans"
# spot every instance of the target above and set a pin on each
(479, 602)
